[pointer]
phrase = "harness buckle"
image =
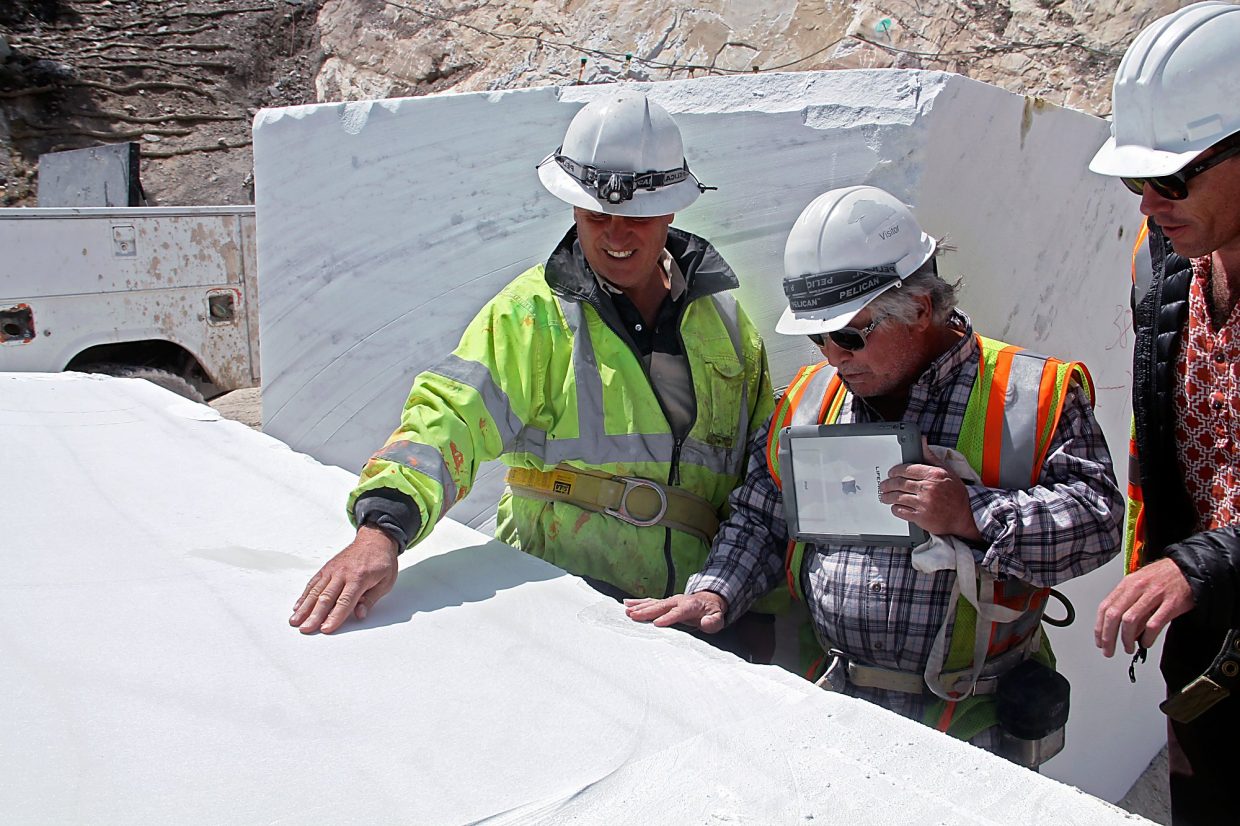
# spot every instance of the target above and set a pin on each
(835, 678)
(623, 513)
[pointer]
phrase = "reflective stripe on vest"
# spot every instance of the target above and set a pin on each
(1005, 436)
(1142, 266)
(1134, 515)
(816, 381)
(423, 459)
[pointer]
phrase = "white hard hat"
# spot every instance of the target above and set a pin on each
(622, 156)
(1175, 92)
(848, 247)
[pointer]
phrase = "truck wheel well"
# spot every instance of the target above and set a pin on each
(153, 353)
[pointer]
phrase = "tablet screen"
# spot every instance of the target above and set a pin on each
(831, 474)
(837, 484)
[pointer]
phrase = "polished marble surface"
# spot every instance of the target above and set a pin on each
(152, 552)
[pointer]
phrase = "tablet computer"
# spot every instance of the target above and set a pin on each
(831, 474)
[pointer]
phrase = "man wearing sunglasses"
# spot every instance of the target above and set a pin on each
(1035, 504)
(619, 382)
(1175, 141)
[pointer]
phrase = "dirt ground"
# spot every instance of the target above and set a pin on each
(245, 406)
(1148, 797)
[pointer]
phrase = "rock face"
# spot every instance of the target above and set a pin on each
(1062, 50)
(184, 78)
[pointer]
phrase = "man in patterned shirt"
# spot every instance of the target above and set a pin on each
(1176, 142)
(863, 284)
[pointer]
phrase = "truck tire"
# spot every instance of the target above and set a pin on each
(155, 375)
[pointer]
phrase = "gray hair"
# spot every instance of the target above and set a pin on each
(901, 303)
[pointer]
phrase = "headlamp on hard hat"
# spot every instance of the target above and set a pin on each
(614, 187)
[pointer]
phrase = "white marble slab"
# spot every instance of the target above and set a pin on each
(383, 226)
(151, 555)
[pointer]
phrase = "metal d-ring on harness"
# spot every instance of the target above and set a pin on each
(623, 512)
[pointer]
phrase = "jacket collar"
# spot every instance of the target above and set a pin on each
(569, 274)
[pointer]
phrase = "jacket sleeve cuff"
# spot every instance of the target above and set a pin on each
(994, 514)
(390, 511)
(1210, 561)
(733, 593)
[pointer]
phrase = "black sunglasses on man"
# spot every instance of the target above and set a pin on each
(1174, 187)
(847, 338)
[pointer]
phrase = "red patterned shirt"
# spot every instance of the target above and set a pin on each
(1207, 409)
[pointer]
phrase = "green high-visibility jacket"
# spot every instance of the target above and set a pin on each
(545, 374)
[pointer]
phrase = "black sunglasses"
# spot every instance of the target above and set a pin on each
(1174, 187)
(847, 338)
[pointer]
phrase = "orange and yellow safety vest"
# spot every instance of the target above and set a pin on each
(1005, 437)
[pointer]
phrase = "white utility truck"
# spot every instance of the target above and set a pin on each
(168, 294)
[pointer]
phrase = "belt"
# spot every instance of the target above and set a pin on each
(630, 499)
(843, 670)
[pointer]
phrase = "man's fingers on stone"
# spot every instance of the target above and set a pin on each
(671, 614)
(683, 609)
(647, 609)
(316, 583)
(336, 617)
(367, 602)
(322, 606)
(347, 601)
(312, 588)
(308, 599)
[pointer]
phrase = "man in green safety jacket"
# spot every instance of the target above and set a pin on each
(1016, 490)
(619, 382)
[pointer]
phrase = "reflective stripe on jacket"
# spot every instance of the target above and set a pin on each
(1012, 413)
(545, 374)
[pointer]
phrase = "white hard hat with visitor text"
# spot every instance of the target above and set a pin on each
(848, 247)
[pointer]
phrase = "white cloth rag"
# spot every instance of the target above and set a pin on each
(945, 553)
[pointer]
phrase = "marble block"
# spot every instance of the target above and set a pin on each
(153, 551)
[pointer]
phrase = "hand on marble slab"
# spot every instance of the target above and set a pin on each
(705, 610)
(1141, 605)
(350, 583)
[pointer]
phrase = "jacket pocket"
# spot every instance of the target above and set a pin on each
(721, 395)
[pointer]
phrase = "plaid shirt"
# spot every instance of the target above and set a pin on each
(870, 602)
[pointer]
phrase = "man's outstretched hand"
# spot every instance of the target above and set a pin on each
(705, 610)
(350, 583)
